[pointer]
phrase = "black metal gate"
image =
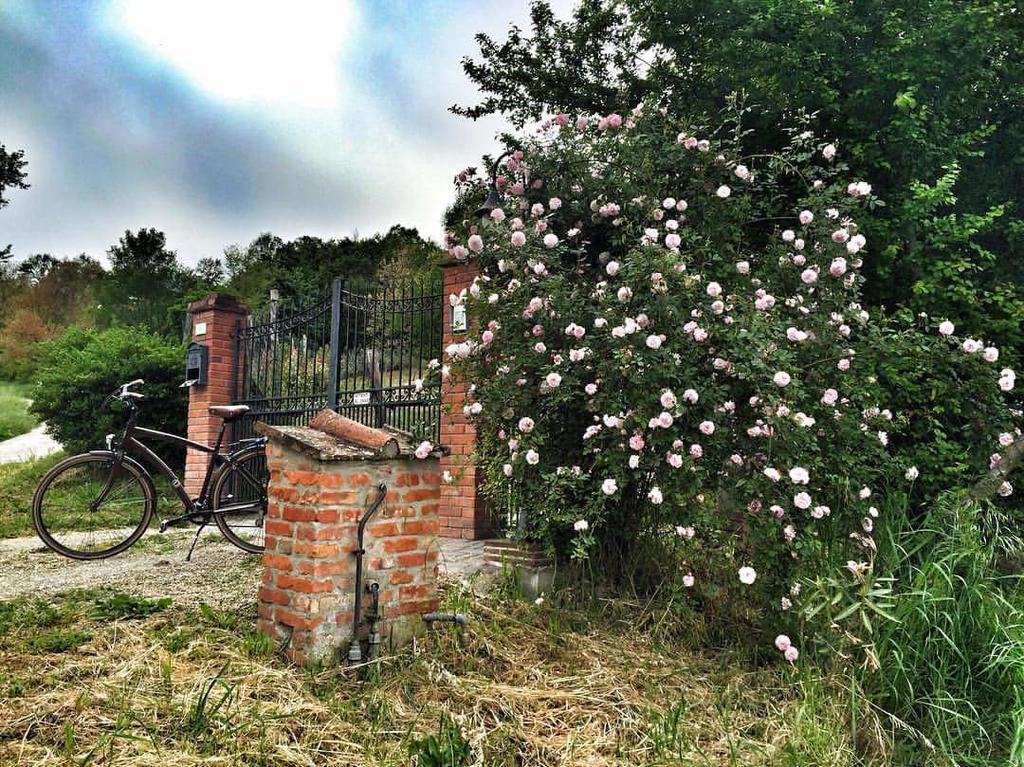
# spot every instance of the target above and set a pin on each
(362, 351)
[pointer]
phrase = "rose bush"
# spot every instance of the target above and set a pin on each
(658, 355)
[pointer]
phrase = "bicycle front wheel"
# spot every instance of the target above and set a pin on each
(240, 499)
(90, 507)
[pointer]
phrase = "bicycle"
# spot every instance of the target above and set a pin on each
(108, 496)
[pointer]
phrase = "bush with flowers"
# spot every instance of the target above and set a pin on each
(668, 345)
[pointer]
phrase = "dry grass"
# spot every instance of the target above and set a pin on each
(525, 685)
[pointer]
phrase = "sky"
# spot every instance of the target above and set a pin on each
(214, 121)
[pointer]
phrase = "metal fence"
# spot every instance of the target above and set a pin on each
(361, 350)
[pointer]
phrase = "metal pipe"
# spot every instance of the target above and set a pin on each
(431, 618)
(355, 653)
(373, 643)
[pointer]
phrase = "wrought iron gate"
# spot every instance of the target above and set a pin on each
(363, 351)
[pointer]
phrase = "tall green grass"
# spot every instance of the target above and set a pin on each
(951, 664)
(14, 416)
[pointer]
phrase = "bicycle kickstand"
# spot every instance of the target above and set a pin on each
(188, 557)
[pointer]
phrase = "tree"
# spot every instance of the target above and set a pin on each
(306, 266)
(209, 273)
(12, 175)
(927, 95)
(36, 266)
(12, 172)
(144, 281)
(47, 296)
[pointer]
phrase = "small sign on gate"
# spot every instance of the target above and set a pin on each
(361, 398)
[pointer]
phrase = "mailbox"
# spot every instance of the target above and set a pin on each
(197, 363)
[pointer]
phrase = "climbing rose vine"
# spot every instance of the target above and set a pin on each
(656, 351)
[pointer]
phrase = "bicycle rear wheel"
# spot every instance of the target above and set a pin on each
(239, 499)
(88, 507)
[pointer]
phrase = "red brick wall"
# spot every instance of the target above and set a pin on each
(464, 514)
(220, 313)
(314, 507)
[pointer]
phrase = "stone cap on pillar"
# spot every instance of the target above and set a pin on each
(446, 259)
(333, 437)
(224, 302)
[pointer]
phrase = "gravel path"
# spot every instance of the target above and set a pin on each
(33, 444)
(219, 574)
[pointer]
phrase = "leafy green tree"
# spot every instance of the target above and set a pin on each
(36, 266)
(928, 96)
(12, 175)
(144, 281)
(12, 172)
(209, 273)
(307, 265)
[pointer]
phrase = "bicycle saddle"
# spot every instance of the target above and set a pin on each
(227, 412)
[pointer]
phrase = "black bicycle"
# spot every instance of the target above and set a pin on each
(98, 504)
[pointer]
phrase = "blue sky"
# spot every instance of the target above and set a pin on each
(215, 120)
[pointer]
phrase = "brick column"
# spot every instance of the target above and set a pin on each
(464, 514)
(314, 505)
(213, 322)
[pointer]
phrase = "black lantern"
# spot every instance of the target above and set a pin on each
(493, 196)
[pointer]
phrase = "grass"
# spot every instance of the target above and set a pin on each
(18, 483)
(14, 416)
(191, 687)
(951, 664)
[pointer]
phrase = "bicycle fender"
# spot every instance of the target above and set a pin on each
(135, 465)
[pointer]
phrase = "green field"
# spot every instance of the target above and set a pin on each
(14, 416)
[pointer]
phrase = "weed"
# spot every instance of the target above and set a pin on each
(667, 730)
(127, 607)
(256, 644)
(58, 640)
(448, 748)
(210, 719)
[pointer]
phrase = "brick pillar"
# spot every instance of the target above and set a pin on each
(314, 505)
(464, 514)
(213, 322)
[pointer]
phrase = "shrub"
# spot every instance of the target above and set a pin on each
(82, 367)
(657, 355)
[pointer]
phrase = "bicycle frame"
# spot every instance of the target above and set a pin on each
(130, 445)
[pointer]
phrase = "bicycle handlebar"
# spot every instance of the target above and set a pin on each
(123, 392)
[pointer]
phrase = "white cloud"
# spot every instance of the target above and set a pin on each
(250, 51)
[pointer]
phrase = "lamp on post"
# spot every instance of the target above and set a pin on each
(493, 195)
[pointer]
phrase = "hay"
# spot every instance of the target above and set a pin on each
(523, 689)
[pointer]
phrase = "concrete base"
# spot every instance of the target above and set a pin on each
(533, 570)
